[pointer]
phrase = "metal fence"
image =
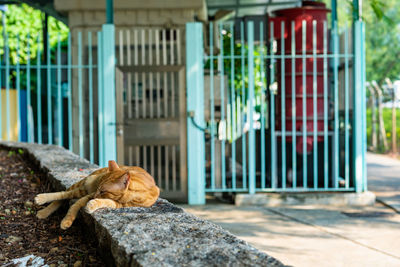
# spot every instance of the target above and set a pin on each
(52, 95)
(281, 108)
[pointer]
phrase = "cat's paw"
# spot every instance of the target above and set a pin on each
(66, 223)
(42, 214)
(41, 199)
(92, 206)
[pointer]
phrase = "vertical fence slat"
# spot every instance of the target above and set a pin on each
(164, 48)
(49, 103)
(304, 100)
(136, 62)
(39, 93)
(129, 78)
(59, 98)
(18, 83)
(326, 175)
(315, 130)
(272, 90)
(100, 90)
(69, 78)
(262, 111)
(243, 100)
(157, 40)
(250, 107)
(335, 40)
(294, 137)
(8, 129)
(90, 70)
(222, 94)
(151, 89)
(346, 109)
(232, 106)
(212, 105)
(283, 104)
(80, 101)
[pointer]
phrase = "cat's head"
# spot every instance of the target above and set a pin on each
(114, 184)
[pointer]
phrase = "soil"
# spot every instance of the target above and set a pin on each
(22, 234)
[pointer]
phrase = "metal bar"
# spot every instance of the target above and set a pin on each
(294, 139)
(157, 39)
(315, 143)
(59, 92)
(250, 107)
(335, 40)
(358, 100)
(110, 11)
(174, 168)
(152, 160)
(304, 111)
(244, 156)
(91, 129)
(325, 44)
(109, 95)
(233, 106)
(272, 91)
(346, 111)
(212, 106)
(167, 168)
(39, 94)
(195, 102)
(7, 55)
(164, 48)
(248, 5)
(136, 62)
(28, 95)
(129, 78)
(151, 89)
(100, 92)
(49, 103)
(159, 165)
(222, 96)
(80, 101)
(262, 111)
(283, 105)
(172, 50)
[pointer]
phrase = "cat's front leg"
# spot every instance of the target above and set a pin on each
(99, 203)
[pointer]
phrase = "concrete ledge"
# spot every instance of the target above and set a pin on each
(163, 235)
(326, 198)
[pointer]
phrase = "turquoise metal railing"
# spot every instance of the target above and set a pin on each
(285, 111)
(60, 87)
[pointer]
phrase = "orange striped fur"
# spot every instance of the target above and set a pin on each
(112, 187)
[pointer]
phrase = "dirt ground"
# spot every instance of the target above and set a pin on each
(22, 234)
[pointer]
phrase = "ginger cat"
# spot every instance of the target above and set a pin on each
(112, 187)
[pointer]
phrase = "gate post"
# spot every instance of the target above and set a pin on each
(359, 108)
(107, 105)
(195, 106)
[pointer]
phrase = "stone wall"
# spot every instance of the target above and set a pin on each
(163, 235)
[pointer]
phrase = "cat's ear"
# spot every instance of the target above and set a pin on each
(124, 180)
(112, 165)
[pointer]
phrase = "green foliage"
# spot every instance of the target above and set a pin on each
(387, 121)
(25, 23)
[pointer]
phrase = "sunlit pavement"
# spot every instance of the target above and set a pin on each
(322, 236)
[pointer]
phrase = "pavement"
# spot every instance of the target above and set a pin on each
(384, 179)
(323, 235)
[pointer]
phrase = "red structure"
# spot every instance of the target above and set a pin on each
(309, 12)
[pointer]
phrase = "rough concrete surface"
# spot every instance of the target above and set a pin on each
(163, 235)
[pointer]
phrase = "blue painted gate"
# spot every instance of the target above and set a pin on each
(262, 118)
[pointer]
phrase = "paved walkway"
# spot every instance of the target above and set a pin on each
(384, 179)
(323, 236)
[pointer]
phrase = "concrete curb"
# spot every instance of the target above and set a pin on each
(326, 198)
(163, 235)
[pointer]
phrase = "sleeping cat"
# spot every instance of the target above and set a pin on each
(112, 187)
